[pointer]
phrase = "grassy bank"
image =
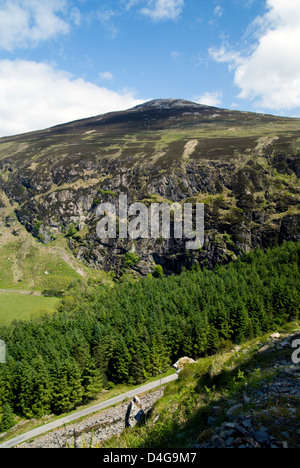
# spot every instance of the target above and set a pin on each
(198, 403)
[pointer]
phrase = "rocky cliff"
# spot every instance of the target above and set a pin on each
(244, 167)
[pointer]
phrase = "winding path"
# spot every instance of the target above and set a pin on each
(79, 414)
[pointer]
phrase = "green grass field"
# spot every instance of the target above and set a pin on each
(14, 306)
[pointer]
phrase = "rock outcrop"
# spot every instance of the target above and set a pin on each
(266, 416)
(182, 362)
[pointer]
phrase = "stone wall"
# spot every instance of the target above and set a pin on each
(94, 429)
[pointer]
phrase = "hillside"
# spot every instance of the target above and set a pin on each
(243, 397)
(244, 167)
(104, 336)
(30, 265)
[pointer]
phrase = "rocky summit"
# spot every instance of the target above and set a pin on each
(243, 167)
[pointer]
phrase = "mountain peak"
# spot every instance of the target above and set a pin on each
(169, 104)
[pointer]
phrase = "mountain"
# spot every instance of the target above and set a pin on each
(243, 166)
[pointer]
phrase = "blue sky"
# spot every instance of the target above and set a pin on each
(62, 60)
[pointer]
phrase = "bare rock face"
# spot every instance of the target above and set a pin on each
(164, 151)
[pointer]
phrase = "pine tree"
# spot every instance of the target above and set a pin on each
(61, 394)
(26, 395)
(91, 380)
(213, 341)
(74, 382)
(188, 348)
(199, 334)
(160, 359)
(137, 370)
(120, 362)
(103, 351)
(7, 419)
(42, 388)
(68, 391)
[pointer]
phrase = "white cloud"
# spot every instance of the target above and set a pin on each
(223, 54)
(176, 56)
(210, 99)
(36, 95)
(105, 16)
(159, 10)
(130, 3)
(108, 76)
(75, 16)
(270, 72)
(218, 11)
(25, 23)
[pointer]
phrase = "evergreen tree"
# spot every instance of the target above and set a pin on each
(41, 388)
(120, 362)
(91, 380)
(137, 370)
(68, 391)
(103, 351)
(7, 419)
(160, 359)
(61, 393)
(213, 340)
(74, 382)
(199, 334)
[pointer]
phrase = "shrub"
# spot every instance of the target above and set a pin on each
(56, 286)
(130, 260)
(158, 272)
(71, 231)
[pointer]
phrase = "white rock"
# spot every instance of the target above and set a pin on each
(275, 336)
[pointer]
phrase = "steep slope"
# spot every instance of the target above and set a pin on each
(244, 167)
(29, 265)
(244, 397)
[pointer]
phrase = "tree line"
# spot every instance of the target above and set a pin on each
(132, 331)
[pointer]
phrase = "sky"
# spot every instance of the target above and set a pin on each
(62, 60)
